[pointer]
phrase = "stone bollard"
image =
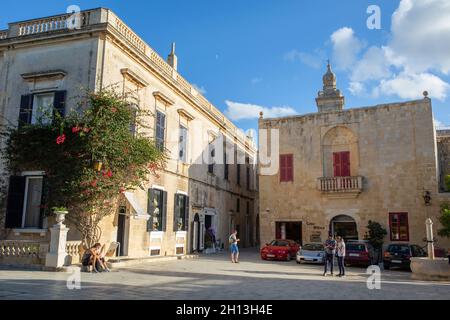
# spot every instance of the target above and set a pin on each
(57, 254)
(430, 239)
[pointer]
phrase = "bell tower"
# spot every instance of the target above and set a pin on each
(330, 98)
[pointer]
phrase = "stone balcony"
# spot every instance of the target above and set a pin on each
(341, 187)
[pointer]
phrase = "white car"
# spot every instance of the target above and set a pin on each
(311, 253)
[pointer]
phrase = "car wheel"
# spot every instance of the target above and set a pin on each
(298, 262)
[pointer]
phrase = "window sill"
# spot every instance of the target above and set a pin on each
(42, 232)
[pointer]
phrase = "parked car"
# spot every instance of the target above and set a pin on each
(280, 250)
(399, 255)
(312, 253)
(440, 253)
(359, 252)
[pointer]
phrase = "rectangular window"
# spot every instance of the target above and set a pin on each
(183, 144)
(399, 226)
(238, 174)
(247, 173)
(341, 164)
(133, 123)
(181, 217)
(160, 129)
(226, 168)
(286, 168)
(25, 202)
(212, 155)
(238, 205)
(41, 107)
(157, 209)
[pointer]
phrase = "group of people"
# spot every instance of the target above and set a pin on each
(95, 257)
(334, 248)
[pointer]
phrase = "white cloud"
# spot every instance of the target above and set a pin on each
(243, 111)
(412, 86)
(256, 80)
(346, 47)
(421, 35)
(372, 66)
(311, 60)
(438, 124)
(418, 50)
(357, 88)
(200, 89)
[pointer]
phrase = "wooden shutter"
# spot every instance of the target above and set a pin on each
(337, 164)
(278, 230)
(282, 168)
(345, 164)
(176, 210)
(186, 213)
(164, 211)
(290, 167)
(59, 103)
(26, 109)
(44, 200)
(15, 202)
(150, 209)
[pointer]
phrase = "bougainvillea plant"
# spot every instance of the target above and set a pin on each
(90, 157)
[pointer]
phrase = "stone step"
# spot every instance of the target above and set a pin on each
(123, 262)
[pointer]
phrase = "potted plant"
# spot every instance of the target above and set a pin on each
(376, 237)
(60, 213)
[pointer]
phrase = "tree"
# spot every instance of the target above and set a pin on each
(90, 157)
(444, 219)
(376, 234)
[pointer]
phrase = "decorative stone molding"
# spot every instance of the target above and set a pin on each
(162, 97)
(134, 77)
(44, 75)
(185, 114)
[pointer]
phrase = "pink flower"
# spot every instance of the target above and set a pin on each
(113, 110)
(107, 173)
(94, 183)
(61, 139)
(76, 129)
(86, 130)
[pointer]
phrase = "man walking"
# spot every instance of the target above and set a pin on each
(233, 240)
(330, 251)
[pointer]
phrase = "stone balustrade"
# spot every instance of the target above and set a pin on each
(340, 184)
(105, 18)
(74, 251)
(23, 252)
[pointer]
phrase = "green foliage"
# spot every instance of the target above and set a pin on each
(97, 131)
(444, 219)
(447, 182)
(376, 234)
(59, 209)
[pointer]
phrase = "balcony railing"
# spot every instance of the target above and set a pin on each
(340, 184)
(3, 34)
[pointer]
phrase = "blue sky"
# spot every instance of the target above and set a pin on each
(249, 55)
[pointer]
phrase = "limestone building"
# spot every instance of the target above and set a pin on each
(340, 168)
(49, 61)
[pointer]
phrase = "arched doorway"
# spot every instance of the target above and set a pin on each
(344, 226)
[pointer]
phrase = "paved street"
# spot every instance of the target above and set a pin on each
(214, 277)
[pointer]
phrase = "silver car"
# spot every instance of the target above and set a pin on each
(311, 253)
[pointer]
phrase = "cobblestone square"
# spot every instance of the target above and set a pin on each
(215, 277)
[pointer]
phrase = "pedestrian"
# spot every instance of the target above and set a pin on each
(233, 240)
(340, 251)
(330, 251)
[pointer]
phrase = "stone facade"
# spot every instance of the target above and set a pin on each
(392, 162)
(43, 55)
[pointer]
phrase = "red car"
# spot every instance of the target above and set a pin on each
(280, 250)
(359, 253)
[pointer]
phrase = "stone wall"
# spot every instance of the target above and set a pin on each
(396, 156)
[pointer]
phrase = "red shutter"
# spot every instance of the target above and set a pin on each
(286, 168)
(337, 164)
(290, 167)
(345, 164)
